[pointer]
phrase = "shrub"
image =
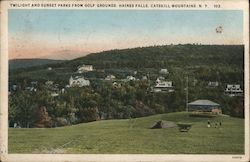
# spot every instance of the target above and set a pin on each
(89, 114)
(61, 122)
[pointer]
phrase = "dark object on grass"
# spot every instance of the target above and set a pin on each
(163, 124)
(184, 127)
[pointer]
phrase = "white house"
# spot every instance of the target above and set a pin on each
(54, 94)
(78, 82)
(62, 90)
(164, 84)
(85, 68)
(164, 71)
(31, 89)
(213, 84)
(110, 77)
(161, 85)
(233, 90)
(115, 84)
(130, 78)
(160, 79)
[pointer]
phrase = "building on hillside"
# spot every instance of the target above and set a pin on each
(213, 84)
(49, 83)
(54, 94)
(163, 86)
(204, 106)
(78, 82)
(164, 71)
(130, 78)
(233, 90)
(33, 83)
(85, 68)
(160, 78)
(62, 90)
(116, 84)
(110, 77)
(14, 87)
(31, 89)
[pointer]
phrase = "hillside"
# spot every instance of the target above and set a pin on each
(166, 56)
(24, 63)
(195, 66)
(134, 136)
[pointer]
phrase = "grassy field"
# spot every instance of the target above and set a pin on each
(134, 136)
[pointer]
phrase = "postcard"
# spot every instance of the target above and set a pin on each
(124, 81)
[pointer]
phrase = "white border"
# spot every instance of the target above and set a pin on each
(5, 5)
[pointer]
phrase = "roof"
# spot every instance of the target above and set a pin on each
(204, 102)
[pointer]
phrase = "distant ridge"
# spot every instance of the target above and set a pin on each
(182, 55)
(25, 63)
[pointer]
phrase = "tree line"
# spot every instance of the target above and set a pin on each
(102, 101)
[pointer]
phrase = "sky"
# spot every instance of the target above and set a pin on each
(68, 34)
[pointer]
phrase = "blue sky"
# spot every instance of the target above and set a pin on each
(84, 31)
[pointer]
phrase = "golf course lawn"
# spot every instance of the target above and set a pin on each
(134, 137)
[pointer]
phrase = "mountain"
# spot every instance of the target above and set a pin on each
(66, 55)
(24, 63)
(165, 56)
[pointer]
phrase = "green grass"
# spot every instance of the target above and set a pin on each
(134, 136)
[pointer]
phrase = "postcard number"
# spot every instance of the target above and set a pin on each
(216, 5)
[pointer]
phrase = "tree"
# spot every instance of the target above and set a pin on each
(237, 107)
(142, 110)
(12, 111)
(22, 108)
(43, 119)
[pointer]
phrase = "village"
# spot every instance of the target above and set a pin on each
(161, 84)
